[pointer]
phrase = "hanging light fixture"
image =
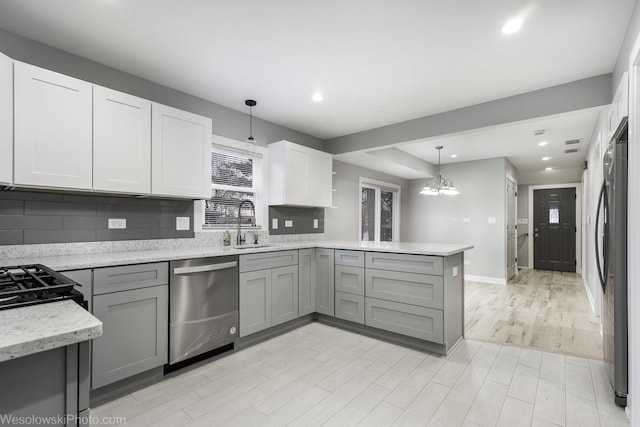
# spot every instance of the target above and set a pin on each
(250, 103)
(439, 185)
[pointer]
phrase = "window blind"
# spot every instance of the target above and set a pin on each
(231, 182)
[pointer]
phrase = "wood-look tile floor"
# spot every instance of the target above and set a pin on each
(545, 310)
(319, 375)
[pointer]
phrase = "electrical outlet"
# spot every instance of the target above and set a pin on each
(288, 223)
(467, 262)
(315, 223)
(466, 219)
(182, 223)
(117, 223)
(274, 223)
(455, 271)
(492, 220)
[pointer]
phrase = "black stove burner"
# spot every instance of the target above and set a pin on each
(34, 284)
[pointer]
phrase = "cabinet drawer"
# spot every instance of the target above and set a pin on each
(127, 277)
(422, 264)
(350, 307)
(350, 279)
(352, 258)
(419, 322)
(266, 260)
(417, 289)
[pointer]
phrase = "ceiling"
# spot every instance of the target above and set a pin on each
(376, 63)
(515, 141)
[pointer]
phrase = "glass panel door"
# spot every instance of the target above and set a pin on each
(368, 214)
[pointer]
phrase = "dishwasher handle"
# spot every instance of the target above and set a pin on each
(204, 268)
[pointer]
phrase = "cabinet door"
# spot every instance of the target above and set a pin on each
(284, 294)
(296, 175)
(121, 142)
(6, 120)
(181, 153)
(53, 145)
(325, 281)
(306, 281)
(410, 288)
(255, 301)
(349, 279)
(419, 322)
(134, 337)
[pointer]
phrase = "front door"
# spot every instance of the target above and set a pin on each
(554, 229)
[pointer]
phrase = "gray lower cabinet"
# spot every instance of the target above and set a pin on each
(135, 324)
(306, 281)
(255, 301)
(349, 307)
(284, 294)
(268, 296)
(419, 322)
(325, 281)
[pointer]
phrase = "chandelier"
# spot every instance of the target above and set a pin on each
(438, 184)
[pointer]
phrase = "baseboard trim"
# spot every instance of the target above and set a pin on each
(486, 279)
(592, 302)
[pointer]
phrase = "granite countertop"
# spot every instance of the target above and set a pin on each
(93, 260)
(36, 328)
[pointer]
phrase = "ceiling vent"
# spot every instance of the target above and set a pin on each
(572, 141)
(571, 150)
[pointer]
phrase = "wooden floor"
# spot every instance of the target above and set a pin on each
(545, 310)
(319, 375)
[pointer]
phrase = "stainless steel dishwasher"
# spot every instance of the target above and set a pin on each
(203, 306)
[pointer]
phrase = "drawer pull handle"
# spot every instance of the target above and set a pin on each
(203, 268)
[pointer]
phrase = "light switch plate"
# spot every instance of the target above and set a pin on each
(117, 223)
(492, 220)
(467, 262)
(274, 223)
(288, 223)
(182, 223)
(315, 223)
(466, 219)
(455, 271)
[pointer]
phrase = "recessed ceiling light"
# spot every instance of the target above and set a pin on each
(546, 158)
(543, 143)
(454, 156)
(512, 26)
(317, 97)
(548, 169)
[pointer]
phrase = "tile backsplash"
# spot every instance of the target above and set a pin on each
(28, 217)
(295, 220)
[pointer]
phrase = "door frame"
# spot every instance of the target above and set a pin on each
(508, 177)
(578, 187)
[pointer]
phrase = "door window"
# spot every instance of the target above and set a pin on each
(379, 211)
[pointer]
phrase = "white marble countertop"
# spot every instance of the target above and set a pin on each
(40, 327)
(93, 260)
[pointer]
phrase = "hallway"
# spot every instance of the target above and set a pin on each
(545, 310)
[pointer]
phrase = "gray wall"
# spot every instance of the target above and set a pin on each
(523, 213)
(439, 219)
(622, 64)
(35, 217)
(341, 222)
(587, 93)
(226, 122)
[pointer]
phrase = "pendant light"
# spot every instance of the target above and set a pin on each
(439, 185)
(250, 103)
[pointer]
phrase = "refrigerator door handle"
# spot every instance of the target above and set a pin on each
(601, 276)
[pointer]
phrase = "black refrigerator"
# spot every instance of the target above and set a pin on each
(611, 260)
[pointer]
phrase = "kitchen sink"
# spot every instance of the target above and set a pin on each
(251, 246)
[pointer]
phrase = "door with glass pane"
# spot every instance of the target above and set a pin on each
(554, 232)
(380, 212)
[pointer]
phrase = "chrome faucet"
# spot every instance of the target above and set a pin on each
(240, 240)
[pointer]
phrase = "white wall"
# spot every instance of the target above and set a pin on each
(439, 219)
(523, 229)
(341, 222)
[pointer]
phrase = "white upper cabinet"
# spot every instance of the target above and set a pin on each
(52, 129)
(619, 108)
(121, 142)
(299, 176)
(6, 120)
(181, 153)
